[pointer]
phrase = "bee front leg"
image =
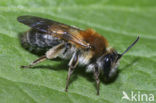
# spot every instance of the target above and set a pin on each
(72, 65)
(50, 54)
(96, 75)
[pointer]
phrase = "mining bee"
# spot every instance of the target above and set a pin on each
(82, 47)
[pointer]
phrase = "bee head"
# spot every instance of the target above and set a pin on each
(108, 63)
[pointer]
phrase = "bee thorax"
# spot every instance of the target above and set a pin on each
(90, 68)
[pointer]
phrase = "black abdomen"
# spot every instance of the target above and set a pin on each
(38, 42)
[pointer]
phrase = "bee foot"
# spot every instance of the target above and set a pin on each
(29, 66)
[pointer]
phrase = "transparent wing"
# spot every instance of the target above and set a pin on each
(60, 30)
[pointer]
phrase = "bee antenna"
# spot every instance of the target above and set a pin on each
(120, 55)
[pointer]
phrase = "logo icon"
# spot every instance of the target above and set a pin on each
(138, 97)
(125, 96)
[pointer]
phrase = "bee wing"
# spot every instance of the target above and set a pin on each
(60, 30)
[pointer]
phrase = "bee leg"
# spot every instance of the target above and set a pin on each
(42, 58)
(96, 75)
(72, 65)
(51, 54)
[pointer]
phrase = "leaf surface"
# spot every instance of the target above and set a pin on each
(119, 21)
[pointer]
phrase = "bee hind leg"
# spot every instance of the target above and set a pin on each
(72, 65)
(50, 54)
(42, 58)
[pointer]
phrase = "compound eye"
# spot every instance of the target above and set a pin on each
(107, 65)
(107, 61)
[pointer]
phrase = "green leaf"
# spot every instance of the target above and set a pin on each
(120, 21)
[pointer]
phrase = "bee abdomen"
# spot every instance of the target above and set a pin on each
(37, 41)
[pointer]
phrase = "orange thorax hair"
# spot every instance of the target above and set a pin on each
(97, 42)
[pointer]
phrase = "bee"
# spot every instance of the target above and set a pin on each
(81, 47)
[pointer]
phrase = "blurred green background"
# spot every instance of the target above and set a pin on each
(120, 21)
